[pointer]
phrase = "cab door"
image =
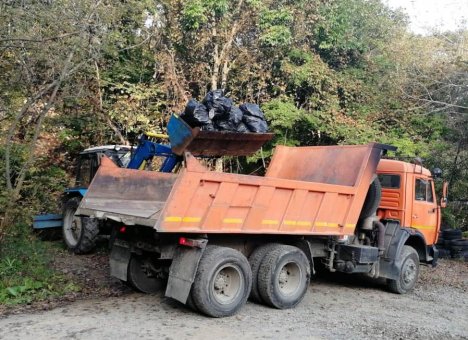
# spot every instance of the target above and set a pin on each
(424, 210)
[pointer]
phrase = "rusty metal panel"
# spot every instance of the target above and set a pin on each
(322, 164)
(202, 201)
(216, 143)
(212, 143)
(125, 194)
(291, 204)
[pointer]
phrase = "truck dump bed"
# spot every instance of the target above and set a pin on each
(306, 191)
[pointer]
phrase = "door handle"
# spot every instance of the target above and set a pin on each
(414, 216)
(433, 210)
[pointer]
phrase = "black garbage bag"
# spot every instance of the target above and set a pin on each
(255, 124)
(191, 106)
(252, 110)
(241, 128)
(231, 123)
(195, 114)
(221, 108)
(211, 97)
(218, 106)
(235, 115)
(225, 125)
(208, 127)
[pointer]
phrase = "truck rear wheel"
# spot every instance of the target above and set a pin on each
(255, 260)
(284, 277)
(79, 233)
(409, 271)
(222, 283)
(141, 276)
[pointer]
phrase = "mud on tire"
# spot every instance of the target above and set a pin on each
(255, 260)
(222, 282)
(79, 233)
(284, 277)
(409, 272)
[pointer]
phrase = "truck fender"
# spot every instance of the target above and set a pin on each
(182, 272)
(395, 239)
(418, 242)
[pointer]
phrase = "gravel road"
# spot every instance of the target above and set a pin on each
(336, 307)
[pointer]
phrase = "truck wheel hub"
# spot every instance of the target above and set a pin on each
(227, 285)
(289, 279)
(409, 271)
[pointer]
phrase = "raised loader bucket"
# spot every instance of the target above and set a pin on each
(212, 143)
(126, 195)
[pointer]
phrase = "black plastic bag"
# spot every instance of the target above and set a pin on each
(225, 125)
(218, 106)
(241, 128)
(195, 114)
(231, 123)
(190, 107)
(235, 115)
(252, 110)
(208, 127)
(255, 124)
(221, 108)
(211, 97)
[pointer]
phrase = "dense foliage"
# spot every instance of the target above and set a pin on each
(81, 73)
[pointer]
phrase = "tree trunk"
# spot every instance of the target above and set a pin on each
(101, 110)
(216, 58)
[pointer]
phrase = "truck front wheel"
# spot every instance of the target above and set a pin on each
(409, 272)
(284, 276)
(222, 283)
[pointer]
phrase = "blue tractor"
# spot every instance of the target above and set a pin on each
(80, 233)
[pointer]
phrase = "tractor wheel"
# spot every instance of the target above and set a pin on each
(79, 233)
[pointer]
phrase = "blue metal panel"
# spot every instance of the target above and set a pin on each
(47, 221)
(180, 134)
(81, 191)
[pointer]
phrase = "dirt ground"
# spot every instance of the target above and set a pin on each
(335, 307)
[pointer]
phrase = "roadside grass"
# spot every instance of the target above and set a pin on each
(26, 274)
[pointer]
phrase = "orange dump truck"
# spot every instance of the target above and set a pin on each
(215, 239)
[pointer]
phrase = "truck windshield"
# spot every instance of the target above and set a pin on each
(389, 181)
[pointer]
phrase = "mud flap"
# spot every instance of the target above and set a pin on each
(119, 259)
(182, 272)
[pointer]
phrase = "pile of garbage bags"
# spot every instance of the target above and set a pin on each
(218, 113)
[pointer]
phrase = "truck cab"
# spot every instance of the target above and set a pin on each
(408, 196)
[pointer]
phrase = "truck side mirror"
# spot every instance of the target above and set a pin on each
(437, 172)
(443, 200)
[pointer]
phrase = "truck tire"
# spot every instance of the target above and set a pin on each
(255, 259)
(452, 234)
(79, 233)
(190, 303)
(284, 277)
(139, 278)
(222, 282)
(371, 203)
(409, 272)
